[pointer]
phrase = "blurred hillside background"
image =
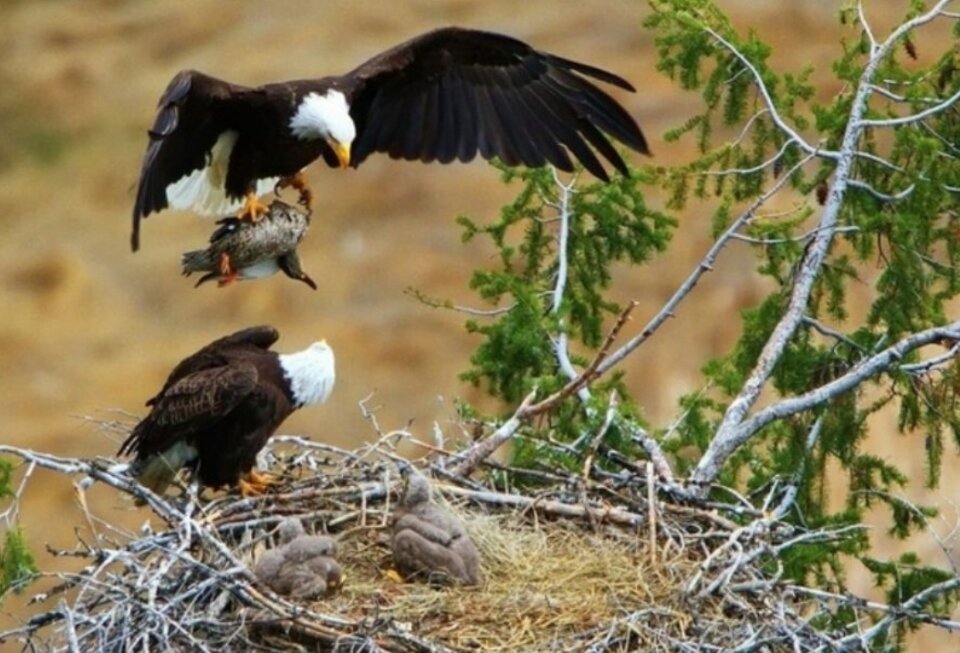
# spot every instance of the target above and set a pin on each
(87, 326)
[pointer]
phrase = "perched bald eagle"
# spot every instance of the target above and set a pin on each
(215, 147)
(220, 405)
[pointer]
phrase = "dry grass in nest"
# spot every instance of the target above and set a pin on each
(540, 585)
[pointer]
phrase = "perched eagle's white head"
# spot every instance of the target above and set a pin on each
(328, 117)
(311, 373)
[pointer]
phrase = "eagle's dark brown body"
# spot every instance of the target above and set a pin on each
(445, 95)
(215, 412)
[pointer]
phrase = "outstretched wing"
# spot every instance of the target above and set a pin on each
(214, 354)
(453, 92)
(191, 405)
(186, 128)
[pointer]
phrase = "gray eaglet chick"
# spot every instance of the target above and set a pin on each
(302, 566)
(240, 249)
(429, 542)
(301, 547)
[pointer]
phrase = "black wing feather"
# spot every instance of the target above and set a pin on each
(550, 136)
(409, 102)
(488, 127)
(384, 133)
(448, 130)
(429, 136)
(186, 127)
(467, 127)
(411, 134)
(515, 144)
(596, 104)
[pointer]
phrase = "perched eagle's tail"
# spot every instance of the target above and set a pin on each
(157, 471)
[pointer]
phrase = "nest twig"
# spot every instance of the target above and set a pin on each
(585, 564)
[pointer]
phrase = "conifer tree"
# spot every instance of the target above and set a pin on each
(875, 181)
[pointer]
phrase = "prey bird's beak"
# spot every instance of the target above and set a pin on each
(307, 280)
(343, 153)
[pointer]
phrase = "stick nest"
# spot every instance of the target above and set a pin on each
(579, 565)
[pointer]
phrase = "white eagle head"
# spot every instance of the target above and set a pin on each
(311, 373)
(328, 117)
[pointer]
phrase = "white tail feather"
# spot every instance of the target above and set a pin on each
(202, 191)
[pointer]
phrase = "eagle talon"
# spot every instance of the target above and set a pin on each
(248, 489)
(299, 183)
(252, 210)
(265, 480)
(254, 483)
(306, 195)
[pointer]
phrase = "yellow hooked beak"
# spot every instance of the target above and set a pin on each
(343, 153)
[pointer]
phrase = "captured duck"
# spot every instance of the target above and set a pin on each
(240, 249)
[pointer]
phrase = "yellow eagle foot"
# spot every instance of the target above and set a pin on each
(254, 484)
(253, 209)
(298, 182)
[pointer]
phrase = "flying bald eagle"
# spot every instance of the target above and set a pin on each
(215, 147)
(219, 407)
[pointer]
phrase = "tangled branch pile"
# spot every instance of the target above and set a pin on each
(581, 565)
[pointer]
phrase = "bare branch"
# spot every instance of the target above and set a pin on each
(866, 28)
(468, 310)
(732, 432)
(767, 99)
(705, 265)
(588, 375)
(652, 448)
(560, 344)
(790, 495)
(763, 165)
(795, 239)
(476, 454)
(908, 610)
(831, 333)
(723, 446)
(915, 117)
(930, 364)
(884, 197)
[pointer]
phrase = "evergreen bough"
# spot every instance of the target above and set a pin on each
(874, 178)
